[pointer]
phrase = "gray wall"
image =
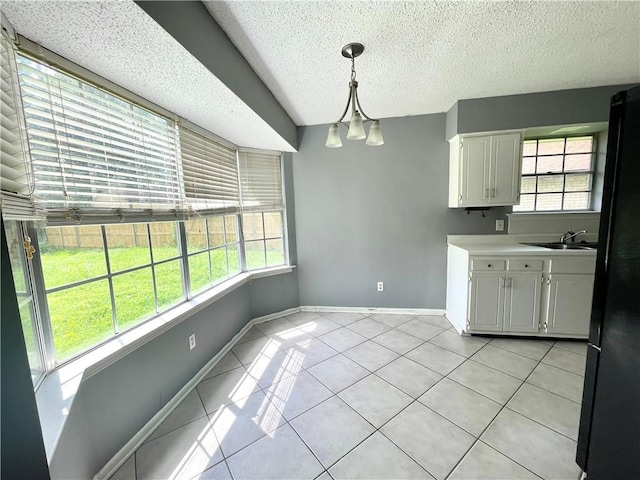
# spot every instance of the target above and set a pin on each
(191, 24)
(368, 214)
(561, 107)
(22, 453)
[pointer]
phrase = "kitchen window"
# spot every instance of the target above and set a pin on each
(557, 174)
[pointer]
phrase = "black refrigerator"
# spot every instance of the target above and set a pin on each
(609, 435)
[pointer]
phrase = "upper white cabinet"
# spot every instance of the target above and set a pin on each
(485, 170)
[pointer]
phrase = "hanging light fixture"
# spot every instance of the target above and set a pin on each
(358, 117)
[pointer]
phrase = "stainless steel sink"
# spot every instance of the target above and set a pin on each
(566, 246)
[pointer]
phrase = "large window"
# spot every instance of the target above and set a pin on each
(141, 212)
(557, 174)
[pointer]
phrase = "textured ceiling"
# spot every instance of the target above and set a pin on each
(119, 41)
(421, 57)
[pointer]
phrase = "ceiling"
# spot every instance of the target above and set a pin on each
(420, 57)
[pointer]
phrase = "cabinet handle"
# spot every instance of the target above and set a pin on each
(493, 193)
(509, 282)
(502, 282)
(486, 193)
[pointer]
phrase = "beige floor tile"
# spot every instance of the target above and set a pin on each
(409, 376)
(331, 429)
(536, 447)
(431, 440)
(489, 382)
(190, 409)
(226, 388)
(461, 405)
(533, 349)
(375, 399)
(484, 462)
(369, 328)
(244, 421)
(295, 395)
(420, 329)
(398, 341)
(342, 339)
(465, 346)
(549, 409)
(558, 381)
(377, 458)
(338, 372)
(505, 361)
(276, 456)
(392, 320)
(569, 361)
(370, 355)
(435, 358)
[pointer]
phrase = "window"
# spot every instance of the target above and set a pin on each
(103, 279)
(557, 174)
(214, 253)
(263, 242)
(142, 211)
(26, 304)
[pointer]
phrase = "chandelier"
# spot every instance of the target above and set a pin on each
(356, 124)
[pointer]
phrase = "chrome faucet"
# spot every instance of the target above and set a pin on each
(570, 235)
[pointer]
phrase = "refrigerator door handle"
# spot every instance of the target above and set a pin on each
(595, 346)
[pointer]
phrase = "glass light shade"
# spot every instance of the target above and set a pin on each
(356, 128)
(333, 139)
(375, 134)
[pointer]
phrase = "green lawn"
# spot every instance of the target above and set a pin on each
(82, 316)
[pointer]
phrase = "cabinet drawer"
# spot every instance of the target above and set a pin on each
(525, 265)
(487, 264)
(573, 265)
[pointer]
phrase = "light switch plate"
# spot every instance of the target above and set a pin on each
(499, 225)
(381, 286)
(192, 341)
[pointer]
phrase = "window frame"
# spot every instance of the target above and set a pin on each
(563, 173)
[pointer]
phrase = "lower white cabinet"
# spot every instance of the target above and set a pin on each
(523, 292)
(486, 302)
(569, 306)
(537, 295)
(504, 302)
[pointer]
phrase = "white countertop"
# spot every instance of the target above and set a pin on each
(512, 245)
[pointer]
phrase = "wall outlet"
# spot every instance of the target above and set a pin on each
(499, 225)
(381, 286)
(192, 341)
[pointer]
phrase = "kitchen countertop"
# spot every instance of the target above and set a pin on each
(511, 245)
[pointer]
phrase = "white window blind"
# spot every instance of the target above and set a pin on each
(96, 156)
(210, 173)
(15, 179)
(260, 181)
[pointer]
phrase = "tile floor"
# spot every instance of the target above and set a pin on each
(340, 395)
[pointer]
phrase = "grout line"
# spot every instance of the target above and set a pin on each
(493, 421)
(540, 423)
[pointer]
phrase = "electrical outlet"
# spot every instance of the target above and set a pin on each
(499, 225)
(381, 286)
(192, 341)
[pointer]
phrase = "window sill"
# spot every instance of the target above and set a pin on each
(57, 391)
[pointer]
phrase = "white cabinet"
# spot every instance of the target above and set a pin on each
(504, 301)
(522, 302)
(525, 295)
(486, 302)
(485, 170)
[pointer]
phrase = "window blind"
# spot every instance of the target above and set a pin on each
(15, 179)
(260, 180)
(96, 155)
(210, 173)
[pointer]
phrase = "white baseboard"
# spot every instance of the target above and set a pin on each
(371, 310)
(455, 325)
(141, 436)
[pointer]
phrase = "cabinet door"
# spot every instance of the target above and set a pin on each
(486, 302)
(522, 302)
(506, 153)
(474, 171)
(569, 310)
